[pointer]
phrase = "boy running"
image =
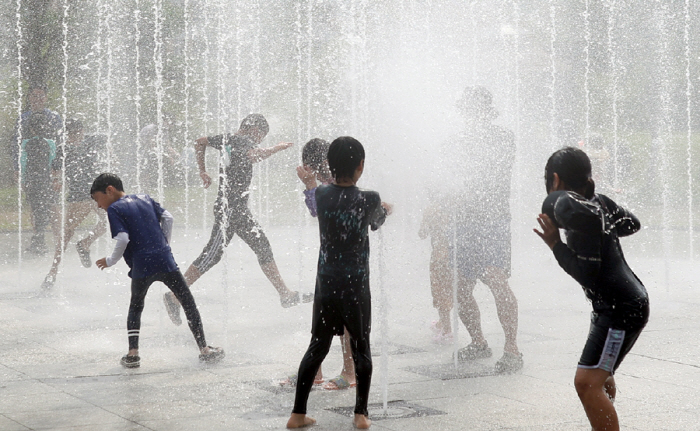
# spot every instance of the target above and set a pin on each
(142, 229)
(240, 150)
(342, 297)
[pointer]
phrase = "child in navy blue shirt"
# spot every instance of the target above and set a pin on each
(342, 298)
(142, 229)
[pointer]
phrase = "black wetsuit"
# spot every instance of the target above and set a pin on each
(231, 206)
(342, 297)
(593, 256)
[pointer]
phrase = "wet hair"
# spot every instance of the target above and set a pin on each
(573, 167)
(73, 125)
(255, 121)
(344, 156)
(105, 180)
(315, 153)
(38, 86)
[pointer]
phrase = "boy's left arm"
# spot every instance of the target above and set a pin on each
(259, 154)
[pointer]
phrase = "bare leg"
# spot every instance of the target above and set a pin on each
(590, 386)
(441, 288)
(611, 388)
(469, 310)
(269, 269)
(348, 371)
(75, 214)
(273, 274)
(192, 274)
(506, 306)
(99, 230)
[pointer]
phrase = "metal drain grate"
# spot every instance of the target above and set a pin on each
(450, 372)
(395, 410)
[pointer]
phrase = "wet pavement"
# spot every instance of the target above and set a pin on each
(59, 354)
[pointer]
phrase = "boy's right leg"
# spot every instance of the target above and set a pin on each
(357, 316)
(315, 354)
(139, 288)
(590, 386)
(212, 252)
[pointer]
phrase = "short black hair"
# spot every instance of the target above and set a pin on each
(344, 156)
(105, 180)
(38, 85)
(255, 121)
(573, 167)
(315, 153)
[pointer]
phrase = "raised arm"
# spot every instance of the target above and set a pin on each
(259, 154)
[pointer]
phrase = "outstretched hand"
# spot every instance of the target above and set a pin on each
(307, 176)
(550, 233)
(102, 263)
(284, 145)
(389, 208)
(206, 179)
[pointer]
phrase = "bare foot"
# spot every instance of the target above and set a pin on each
(298, 420)
(361, 422)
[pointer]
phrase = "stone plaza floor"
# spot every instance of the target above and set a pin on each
(59, 351)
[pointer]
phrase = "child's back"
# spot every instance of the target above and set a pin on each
(148, 251)
(593, 255)
(344, 214)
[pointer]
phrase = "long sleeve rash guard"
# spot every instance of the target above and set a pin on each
(593, 256)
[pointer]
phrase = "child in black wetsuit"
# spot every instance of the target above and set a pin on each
(593, 256)
(342, 297)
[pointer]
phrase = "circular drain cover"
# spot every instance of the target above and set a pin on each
(392, 412)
